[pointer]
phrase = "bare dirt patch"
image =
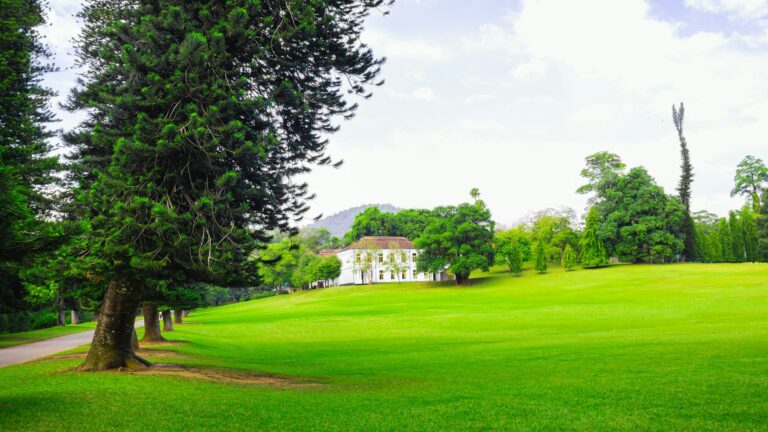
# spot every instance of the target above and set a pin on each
(161, 344)
(65, 356)
(222, 375)
(154, 353)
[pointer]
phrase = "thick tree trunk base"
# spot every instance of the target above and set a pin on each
(111, 347)
(109, 360)
(167, 321)
(462, 280)
(178, 316)
(75, 318)
(185, 313)
(151, 324)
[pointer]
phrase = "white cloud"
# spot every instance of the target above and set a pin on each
(513, 102)
(478, 98)
(534, 69)
(414, 50)
(740, 9)
(419, 94)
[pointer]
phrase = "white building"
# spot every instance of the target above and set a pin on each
(378, 260)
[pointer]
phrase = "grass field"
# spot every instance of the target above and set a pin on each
(674, 347)
(12, 339)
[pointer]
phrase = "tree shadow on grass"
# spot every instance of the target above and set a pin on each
(25, 412)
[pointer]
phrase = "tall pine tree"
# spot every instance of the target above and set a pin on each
(200, 116)
(684, 187)
(26, 168)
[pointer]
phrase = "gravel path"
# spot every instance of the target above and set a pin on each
(24, 353)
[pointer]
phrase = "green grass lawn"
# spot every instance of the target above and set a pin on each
(674, 347)
(12, 339)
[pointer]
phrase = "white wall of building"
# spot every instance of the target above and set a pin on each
(388, 265)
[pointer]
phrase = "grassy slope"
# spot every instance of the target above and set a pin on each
(13, 339)
(634, 347)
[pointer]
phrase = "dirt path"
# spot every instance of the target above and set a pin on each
(24, 353)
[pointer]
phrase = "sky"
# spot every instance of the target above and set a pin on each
(510, 96)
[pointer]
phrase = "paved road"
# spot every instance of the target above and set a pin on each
(24, 353)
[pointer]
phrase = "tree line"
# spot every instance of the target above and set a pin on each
(199, 116)
(630, 219)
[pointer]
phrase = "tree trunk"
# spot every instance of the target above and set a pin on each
(60, 312)
(178, 316)
(111, 346)
(151, 324)
(167, 322)
(134, 339)
(185, 313)
(462, 279)
(75, 317)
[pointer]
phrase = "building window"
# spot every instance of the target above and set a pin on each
(414, 274)
(414, 257)
(381, 257)
(381, 274)
(357, 257)
(391, 257)
(403, 257)
(391, 275)
(404, 275)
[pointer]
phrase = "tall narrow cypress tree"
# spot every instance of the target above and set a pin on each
(684, 187)
(749, 228)
(569, 258)
(726, 241)
(592, 247)
(541, 257)
(737, 235)
(200, 116)
(762, 228)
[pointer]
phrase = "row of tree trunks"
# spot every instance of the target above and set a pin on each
(134, 339)
(167, 321)
(151, 324)
(112, 347)
(60, 312)
(178, 316)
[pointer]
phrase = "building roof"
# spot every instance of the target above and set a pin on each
(380, 242)
(329, 252)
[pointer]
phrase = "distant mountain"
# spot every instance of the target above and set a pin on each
(338, 224)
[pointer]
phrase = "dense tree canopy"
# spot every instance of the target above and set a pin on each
(601, 171)
(641, 223)
(554, 229)
(373, 222)
(458, 238)
(512, 248)
(751, 175)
